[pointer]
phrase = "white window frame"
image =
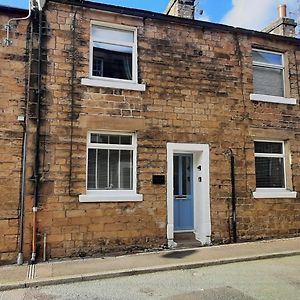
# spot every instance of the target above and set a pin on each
(114, 82)
(270, 98)
(113, 195)
(274, 192)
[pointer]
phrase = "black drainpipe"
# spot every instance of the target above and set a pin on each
(37, 175)
(233, 198)
(72, 116)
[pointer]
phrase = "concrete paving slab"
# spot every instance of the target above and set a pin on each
(56, 272)
(12, 274)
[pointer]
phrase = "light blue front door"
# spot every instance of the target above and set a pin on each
(183, 192)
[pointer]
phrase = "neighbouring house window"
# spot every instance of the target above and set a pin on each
(113, 52)
(111, 161)
(270, 164)
(268, 73)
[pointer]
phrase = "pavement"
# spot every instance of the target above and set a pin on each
(78, 270)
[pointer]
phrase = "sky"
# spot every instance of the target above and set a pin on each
(251, 14)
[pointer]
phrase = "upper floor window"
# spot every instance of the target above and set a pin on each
(114, 52)
(268, 73)
(113, 57)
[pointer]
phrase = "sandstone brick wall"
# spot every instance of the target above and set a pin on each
(198, 85)
(12, 96)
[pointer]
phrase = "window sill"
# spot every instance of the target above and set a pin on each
(272, 193)
(114, 84)
(273, 99)
(111, 196)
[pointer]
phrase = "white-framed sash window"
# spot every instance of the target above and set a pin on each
(113, 57)
(270, 164)
(268, 73)
(269, 77)
(271, 170)
(111, 167)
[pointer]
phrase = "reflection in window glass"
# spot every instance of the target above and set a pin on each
(267, 57)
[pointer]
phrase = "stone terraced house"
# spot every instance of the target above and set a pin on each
(123, 130)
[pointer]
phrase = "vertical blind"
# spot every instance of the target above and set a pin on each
(110, 169)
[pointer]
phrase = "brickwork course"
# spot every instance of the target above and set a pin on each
(198, 83)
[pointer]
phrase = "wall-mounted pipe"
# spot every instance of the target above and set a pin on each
(233, 198)
(45, 247)
(20, 257)
(7, 41)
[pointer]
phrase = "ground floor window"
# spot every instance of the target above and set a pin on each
(270, 164)
(110, 161)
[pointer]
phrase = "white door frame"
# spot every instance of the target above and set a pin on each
(202, 220)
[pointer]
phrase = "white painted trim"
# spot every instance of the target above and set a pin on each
(268, 51)
(114, 84)
(273, 99)
(111, 196)
(273, 193)
(277, 155)
(274, 66)
(134, 80)
(202, 220)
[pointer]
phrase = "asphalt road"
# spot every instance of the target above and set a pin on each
(270, 279)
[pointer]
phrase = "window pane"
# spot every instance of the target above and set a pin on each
(112, 61)
(99, 138)
(126, 139)
(268, 81)
(101, 33)
(114, 169)
(91, 169)
(269, 172)
(114, 139)
(265, 57)
(102, 171)
(176, 175)
(126, 170)
(268, 147)
(186, 180)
